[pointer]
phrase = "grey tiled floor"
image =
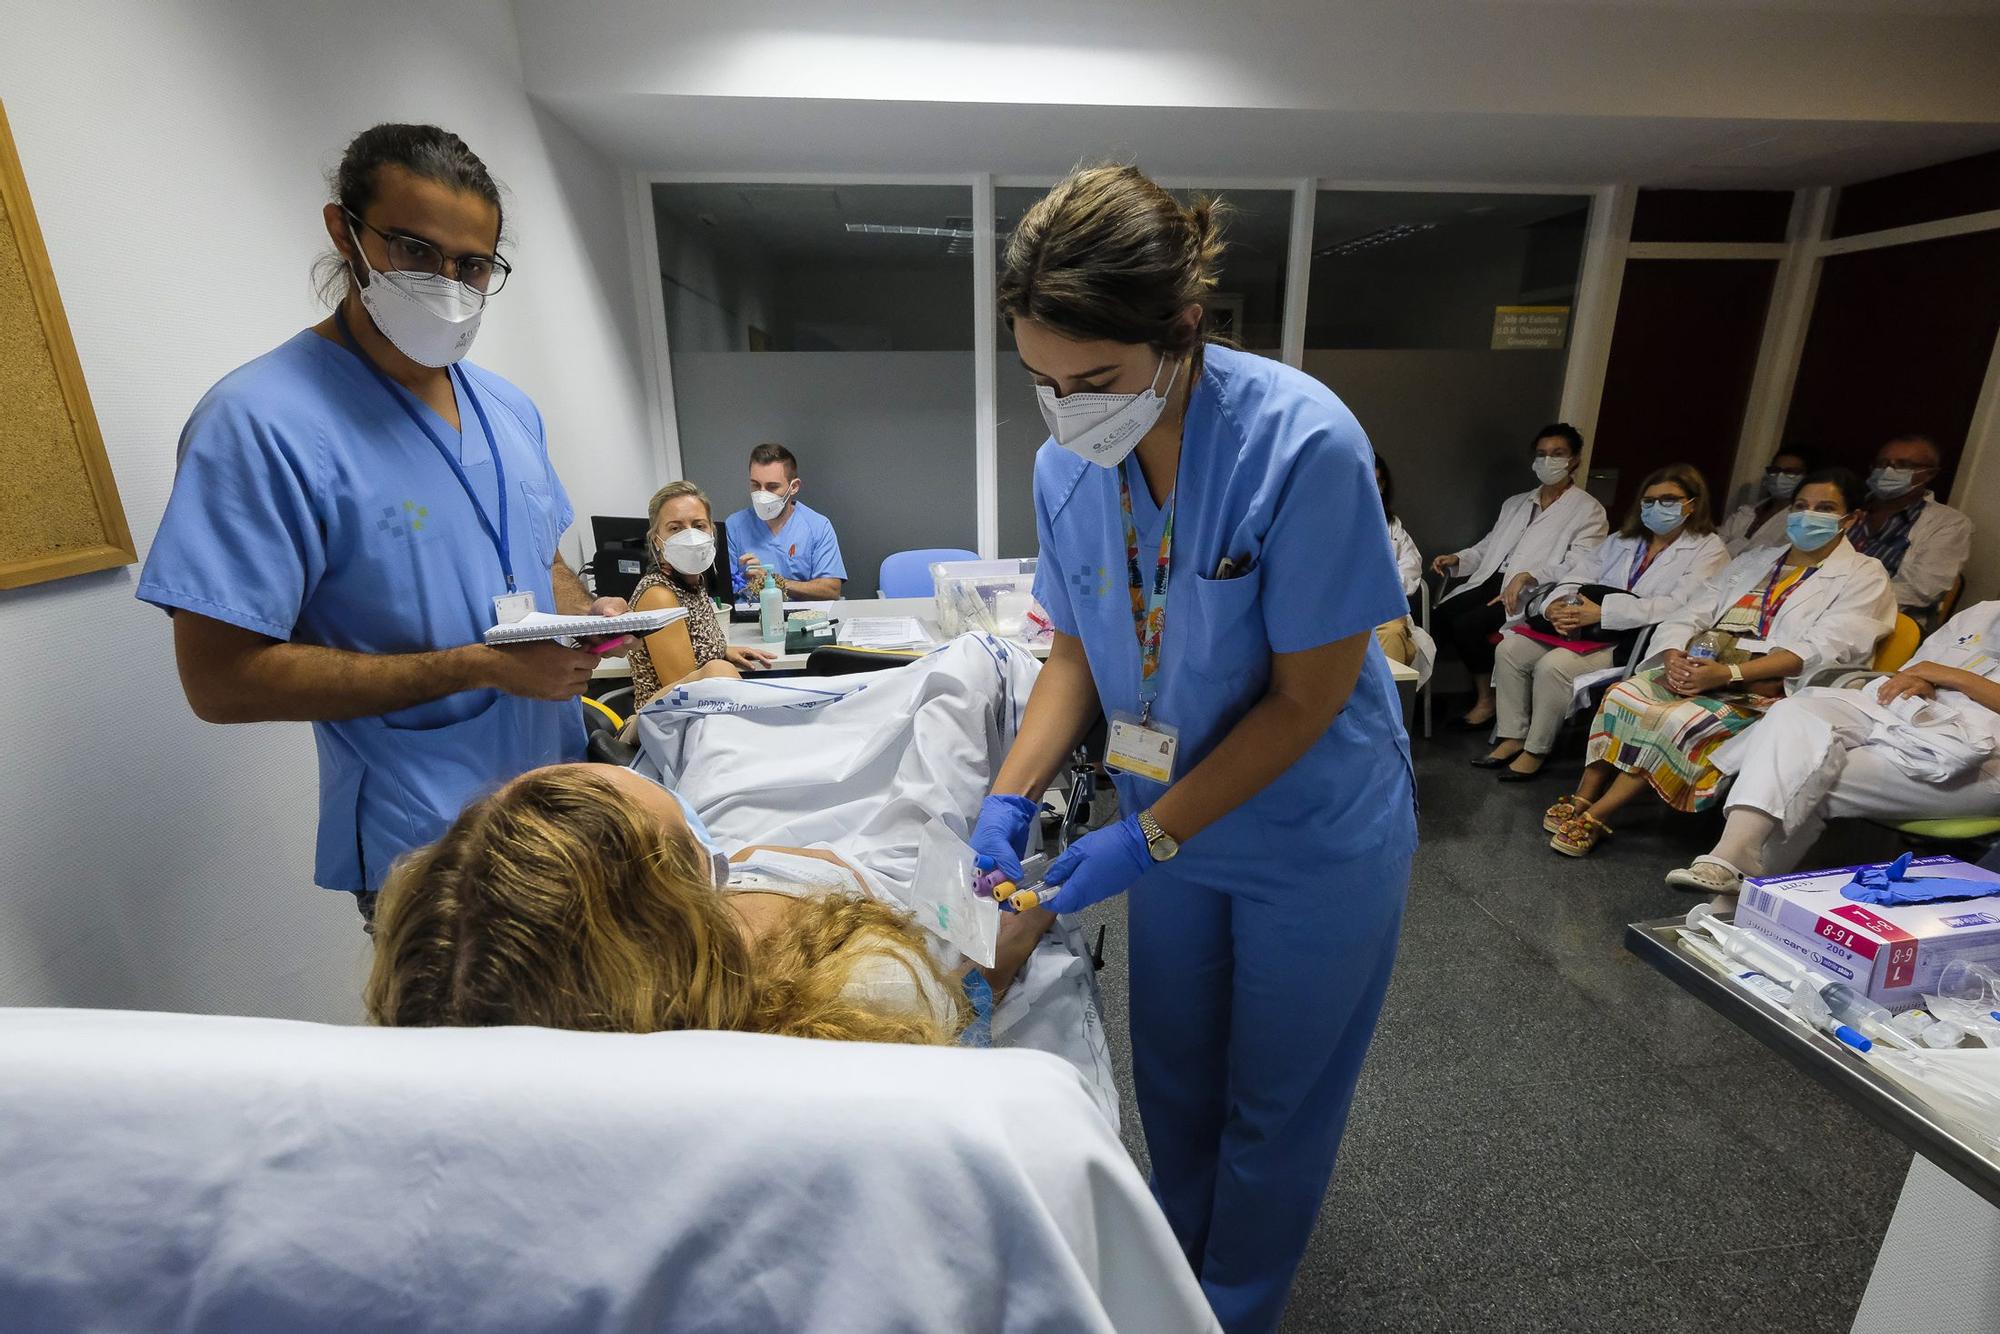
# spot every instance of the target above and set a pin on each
(1549, 1135)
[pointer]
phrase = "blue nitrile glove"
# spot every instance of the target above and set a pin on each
(1886, 886)
(1000, 838)
(1102, 863)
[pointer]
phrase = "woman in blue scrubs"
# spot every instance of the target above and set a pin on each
(1215, 560)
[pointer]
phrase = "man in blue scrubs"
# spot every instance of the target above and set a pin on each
(779, 536)
(353, 509)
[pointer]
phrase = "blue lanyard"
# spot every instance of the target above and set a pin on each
(498, 537)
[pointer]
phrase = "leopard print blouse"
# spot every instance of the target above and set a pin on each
(704, 631)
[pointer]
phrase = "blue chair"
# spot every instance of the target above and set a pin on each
(907, 574)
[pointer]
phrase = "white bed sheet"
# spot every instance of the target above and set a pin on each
(201, 1173)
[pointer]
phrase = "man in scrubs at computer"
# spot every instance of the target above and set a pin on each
(355, 508)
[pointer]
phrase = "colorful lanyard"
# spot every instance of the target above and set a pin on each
(402, 398)
(1642, 560)
(1149, 606)
(1767, 611)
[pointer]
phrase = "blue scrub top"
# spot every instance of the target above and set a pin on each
(1274, 470)
(805, 548)
(308, 507)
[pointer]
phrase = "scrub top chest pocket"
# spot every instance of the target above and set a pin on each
(1220, 635)
(538, 505)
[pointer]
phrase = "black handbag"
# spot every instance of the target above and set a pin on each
(1620, 640)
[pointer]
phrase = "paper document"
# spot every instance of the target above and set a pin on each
(884, 632)
(538, 625)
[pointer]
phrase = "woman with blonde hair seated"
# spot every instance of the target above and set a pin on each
(586, 896)
(1593, 612)
(1753, 634)
(682, 538)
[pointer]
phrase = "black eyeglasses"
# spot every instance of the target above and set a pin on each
(485, 274)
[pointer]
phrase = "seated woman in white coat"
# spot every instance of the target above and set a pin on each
(1922, 743)
(1594, 612)
(1757, 519)
(1537, 533)
(1757, 631)
(1398, 637)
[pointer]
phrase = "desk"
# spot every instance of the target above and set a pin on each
(747, 635)
(1937, 1255)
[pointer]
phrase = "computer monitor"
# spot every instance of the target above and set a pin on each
(621, 558)
(606, 529)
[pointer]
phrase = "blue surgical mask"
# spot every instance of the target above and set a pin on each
(1889, 483)
(718, 860)
(1662, 516)
(1811, 530)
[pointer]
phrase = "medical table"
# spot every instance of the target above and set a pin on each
(1937, 1269)
(746, 635)
(175, 1171)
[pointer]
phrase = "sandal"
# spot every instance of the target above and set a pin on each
(1579, 834)
(1707, 875)
(1566, 808)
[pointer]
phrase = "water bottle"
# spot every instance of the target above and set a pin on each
(771, 612)
(1709, 645)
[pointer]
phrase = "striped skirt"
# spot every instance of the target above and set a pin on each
(1644, 728)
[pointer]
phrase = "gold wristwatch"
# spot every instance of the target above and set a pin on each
(1736, 671)
(1162, 845)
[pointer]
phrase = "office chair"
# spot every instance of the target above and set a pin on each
(907, 574)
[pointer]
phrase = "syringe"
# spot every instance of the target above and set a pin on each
(1796, 999)
(1747, 947)
(1858, 1012)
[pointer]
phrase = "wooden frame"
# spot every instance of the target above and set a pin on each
(18, 424)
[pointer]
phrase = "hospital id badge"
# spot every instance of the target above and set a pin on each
(1142, 749)
(511, 607)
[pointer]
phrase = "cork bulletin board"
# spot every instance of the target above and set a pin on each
(59, 508)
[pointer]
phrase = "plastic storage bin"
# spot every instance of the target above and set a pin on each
(996, 596)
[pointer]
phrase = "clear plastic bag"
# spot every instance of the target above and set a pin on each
(941, 894)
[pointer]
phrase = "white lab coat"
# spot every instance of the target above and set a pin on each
(1524, 539)
(1833, 620)
(1835, 753)
(1940, 544)
(1409, 561)
(1741, 532)
(1675, 575)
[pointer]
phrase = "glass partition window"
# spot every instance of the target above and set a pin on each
(1442, 320)
(837, 321)
(1247, 308)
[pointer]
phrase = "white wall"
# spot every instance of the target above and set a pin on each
(175, 152)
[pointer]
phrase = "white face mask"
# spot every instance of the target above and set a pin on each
(1104, 428)
(691, 551)
(1889, 483)
(768, 505)
(429, 318)
(1780, 485)
(1549, 470)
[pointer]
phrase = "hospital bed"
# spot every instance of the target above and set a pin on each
(186, 1172)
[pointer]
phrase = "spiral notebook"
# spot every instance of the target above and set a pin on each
(569, 630)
